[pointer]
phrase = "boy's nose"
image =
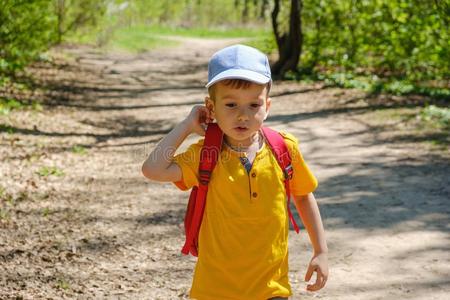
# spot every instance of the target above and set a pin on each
(243, 116)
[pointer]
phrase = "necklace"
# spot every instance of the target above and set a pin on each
(245, 149)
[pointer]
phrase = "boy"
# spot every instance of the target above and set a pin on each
(243, 239)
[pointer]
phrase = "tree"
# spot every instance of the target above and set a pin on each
(71, 15)
(289, 43)
(262, 12)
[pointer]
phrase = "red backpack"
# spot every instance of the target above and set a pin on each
(208, 158)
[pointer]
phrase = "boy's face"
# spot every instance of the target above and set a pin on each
(239, 112)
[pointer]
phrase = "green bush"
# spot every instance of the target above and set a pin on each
(438, 115)
(26, 29)
(405, 39)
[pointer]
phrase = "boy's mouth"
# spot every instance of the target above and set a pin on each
(240, 128)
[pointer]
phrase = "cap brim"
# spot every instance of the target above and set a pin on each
(239, 74)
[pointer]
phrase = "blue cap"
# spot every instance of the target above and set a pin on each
(239, 62)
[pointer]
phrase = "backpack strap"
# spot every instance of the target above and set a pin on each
(208, 158)
(279, 148)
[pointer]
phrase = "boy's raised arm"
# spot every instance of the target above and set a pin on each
(159, 166)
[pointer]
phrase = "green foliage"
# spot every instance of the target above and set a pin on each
(9, 104)
(391, 38)
(62, 284)
(73, 15)
(25, 31)
(6, 197)
(47, 171)
(79, 150)
(265, 42)
(400, 47)
(345, 80)
(375, 85)
(440, 116)
(27, 28)
(200, 18)
(6, 105)
(188, 13)
(46, 211)
(403, 42)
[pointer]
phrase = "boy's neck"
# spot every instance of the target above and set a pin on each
(253, 143)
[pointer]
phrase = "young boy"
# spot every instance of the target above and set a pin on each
(243, 239)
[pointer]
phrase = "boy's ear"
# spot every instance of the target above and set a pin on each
(268, 102)
(209, 103)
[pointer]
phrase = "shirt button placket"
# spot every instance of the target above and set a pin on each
(253, 186)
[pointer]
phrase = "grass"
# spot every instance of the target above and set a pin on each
(62, 284)
(429, 124)
(222, 32)
(79, 150)
(438, 116)
(9, 104)
(141, 38)
(46, 211)
(8, 198)
(47, 171)
(15, 95)
(4, 214)
(136, 40)
(374, 85)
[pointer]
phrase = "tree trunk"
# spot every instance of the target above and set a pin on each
(262, 13)
(289, 43)
(245, 12)
(60, 14)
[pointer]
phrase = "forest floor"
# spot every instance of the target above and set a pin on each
(78, 219)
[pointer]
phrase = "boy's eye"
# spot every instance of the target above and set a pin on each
(256, 105)
(230, 105)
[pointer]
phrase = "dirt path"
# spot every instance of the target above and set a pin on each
(93, 227)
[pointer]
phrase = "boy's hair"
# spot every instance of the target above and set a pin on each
(236, 84)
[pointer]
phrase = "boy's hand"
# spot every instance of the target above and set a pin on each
(198, 118)
(318, 264)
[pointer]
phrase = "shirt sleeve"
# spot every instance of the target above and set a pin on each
(303, 180)
(188, 162)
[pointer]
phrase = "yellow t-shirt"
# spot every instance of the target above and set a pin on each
(243, 239)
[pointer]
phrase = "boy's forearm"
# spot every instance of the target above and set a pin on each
(309, 212)
(161, 156)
